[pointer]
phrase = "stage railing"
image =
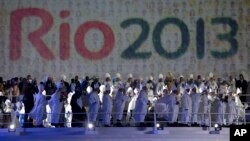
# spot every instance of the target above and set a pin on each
(8, 118)
(204, 119)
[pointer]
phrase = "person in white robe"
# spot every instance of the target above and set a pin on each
(231, 108)
(101, 93)
(181, 83)
(107, 106)
(131, 106)
(107, 80)
(38, 113)
(7, 112)
(186, 108)
(220, 110)
(212, 84)
(141, 106)
(207, 99)
(118, 82)
(68, 108)
(160, 85)
(164, 100)
(240, 108)
(195, 96)
(173, 107)
(129, 81)
(56, 105)
(119, 104)
(94, 103)
(203, 107)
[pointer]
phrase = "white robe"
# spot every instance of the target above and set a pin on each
(39, 110)
(173, 108)
(159, 88)
(220, 111)
(240, 108)
(195, 106)
(101, 96)
(176, 113)
(141, 107)
(166, 100)
(131, 106)
(68, 110)
(213, 85)
(94, 106)
(151, 96)
(186, 109)
(20, 111)
(119, 105)
(161, 110)
(107, 108)
(231, 110)
(8, 106)
(56, 107)
(205, 109)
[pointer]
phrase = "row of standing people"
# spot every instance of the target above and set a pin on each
(64, 98)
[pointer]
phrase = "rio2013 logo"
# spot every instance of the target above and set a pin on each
(131, 52)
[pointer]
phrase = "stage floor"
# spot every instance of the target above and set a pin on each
(114, 134)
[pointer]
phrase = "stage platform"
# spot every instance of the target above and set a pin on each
(114, 134)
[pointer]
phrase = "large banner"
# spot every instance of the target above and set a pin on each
(142, 37)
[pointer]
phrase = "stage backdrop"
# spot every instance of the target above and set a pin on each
(92, 37)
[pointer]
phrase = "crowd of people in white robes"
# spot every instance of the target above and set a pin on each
(115, 101)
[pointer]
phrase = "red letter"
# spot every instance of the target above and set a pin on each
(108, 40)
(34, 37)
(64, 37)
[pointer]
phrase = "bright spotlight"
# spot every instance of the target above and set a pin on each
(217, 127)
(159, 126)
(216, 130)
(90, 126)
(90, 129)
(12, 128)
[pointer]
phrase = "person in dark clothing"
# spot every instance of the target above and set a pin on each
(66, 86)
(79, 112)
(50, 88)
(2, 100)
(65, 90)
(3, 118)
(242, 84)
(95, 81)
(21, 83)
(34, 83)
(78, 84)
(28, 101)
(1, 80)
(72, 85)
(85, 84)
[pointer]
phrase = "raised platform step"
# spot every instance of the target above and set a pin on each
(114, 133)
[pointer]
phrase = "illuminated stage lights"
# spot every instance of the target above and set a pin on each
(159, 126)
(90, 126)
(90, 129)
(216, 130)
(12, 128)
